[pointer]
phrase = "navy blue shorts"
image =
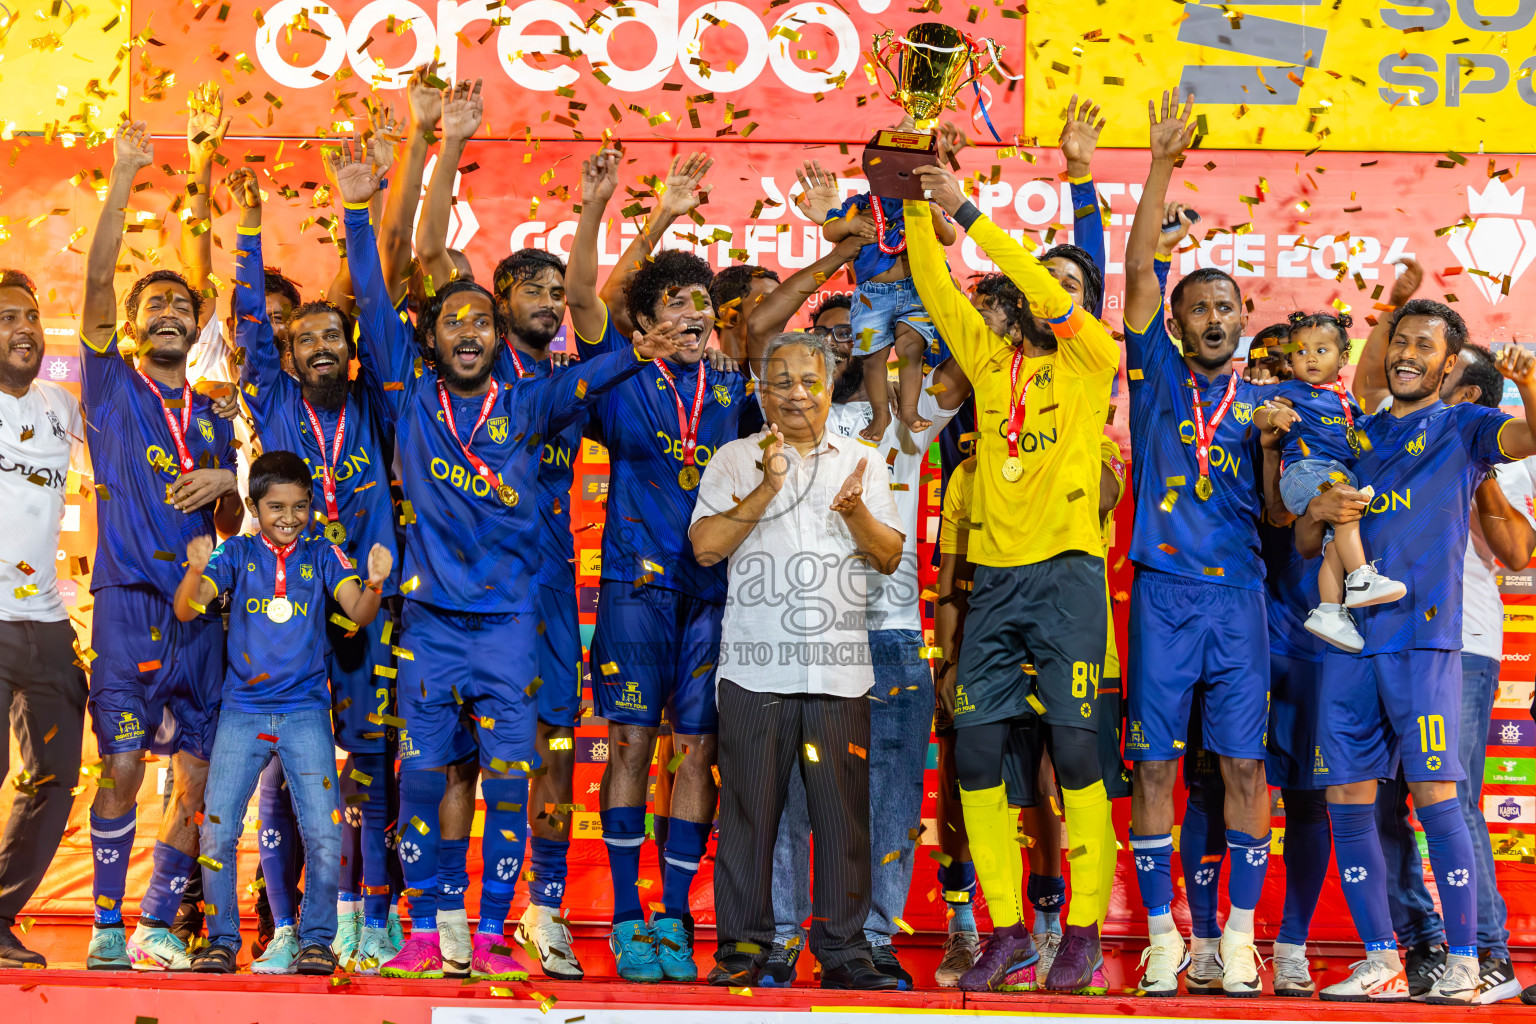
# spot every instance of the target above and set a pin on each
(1295, 700)
(160, 695)
(559, 697)
(357, 690)
(1382, 710)
(1194, 640)
(465, 688)
(655, 650)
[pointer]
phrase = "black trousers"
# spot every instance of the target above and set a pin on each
(43, 691)
(763, 737)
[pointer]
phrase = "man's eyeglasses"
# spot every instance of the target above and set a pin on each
(842, 332)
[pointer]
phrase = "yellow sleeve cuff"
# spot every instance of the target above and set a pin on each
(1085, 179)
(336, 590)
(355, 206)
(1163, 257)
(241, 229)
(214, 585)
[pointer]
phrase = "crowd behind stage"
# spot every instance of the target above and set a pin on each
(341, 518)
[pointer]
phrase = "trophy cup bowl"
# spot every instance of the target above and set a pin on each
(932, 59)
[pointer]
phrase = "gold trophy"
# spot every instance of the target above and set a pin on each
(932, 60)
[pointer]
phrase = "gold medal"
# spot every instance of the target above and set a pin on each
(1353, 437)
(279, 609)
(1013, 469)
(507, 495)
(1203, 488)
(688, 477)
(335, 533)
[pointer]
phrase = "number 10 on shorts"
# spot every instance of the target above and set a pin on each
(1431, 732)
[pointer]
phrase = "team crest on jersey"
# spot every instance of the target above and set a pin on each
(1042, 377)
(307, 571)
(1242, 412)
(1416, 446)
(207, 428)
(498, 428)
(723, 396)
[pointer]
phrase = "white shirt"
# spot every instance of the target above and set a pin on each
(1482, 609)
(211, 359)
(41, 439)
(894, 599)
(797, 599)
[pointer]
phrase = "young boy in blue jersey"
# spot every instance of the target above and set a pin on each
(1321, 446)
(470, 451)
(659, 611)
(164, 466)
(335, 426)
(276, 702)
(1197, 602)
(887, 311)
(1398, 702)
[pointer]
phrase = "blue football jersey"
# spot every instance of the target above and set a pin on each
(645, 527)
(140, 538)
(464, 549)
(277, 667)
(282, 422)
(1322, 427)
(1424, 468)
(557, 566)
(1290, 584)
(1215, 540)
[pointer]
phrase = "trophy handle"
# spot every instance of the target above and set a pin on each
(979, 49)
(880, 55)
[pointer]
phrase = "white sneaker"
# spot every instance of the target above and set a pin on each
(1337, 627)
(1164, 959)
(1372, 980)
(1365, 587)
(1292, 976)
(1204, 975)
(280, 953)
(1047, 944)
(454, 942)
(551, 941)
(1240, 964)
(1458, 985)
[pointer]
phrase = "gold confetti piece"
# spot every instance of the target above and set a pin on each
(1174, 481)
(1431, 613)
(210, 863)
(1216, 571)
(853, 748)
(106, 902)
(401, 652)
(739, 991)
(419, 825)
(899, 923)
(148, 666)
(611, 668)
(1167, 503)
(26, 590)
(894, 855)
(1035, 703)
(703, 669)
(345, 623)
(410, 584)
(928, 653)
(810, 753)
(1134, 375)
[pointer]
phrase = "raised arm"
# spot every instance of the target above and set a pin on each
(1370, 385)
(206, 125)
(683, 191)
(569, 394)
(195, 590)
(589, 316)
(360, 602)
(1171, 133)
(1517, 438)
(384, 135)
(772, 315)
(262, 365)
(1079, 140)
(463, 111)
(954, 316)
(132, 152)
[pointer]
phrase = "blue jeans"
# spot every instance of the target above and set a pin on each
(305, 746)
(899, 725)
(1413, 912)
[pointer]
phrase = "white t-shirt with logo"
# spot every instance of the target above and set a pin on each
(41, 439)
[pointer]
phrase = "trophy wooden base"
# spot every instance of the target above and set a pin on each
(892, 156)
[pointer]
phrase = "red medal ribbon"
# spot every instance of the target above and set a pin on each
(485, 411)
(687, 423)
(1338, 389)
(328, 463)
(1203, 437)
(281, 554)
(877, 210)
(1016, 406)
(178, 430)
(517, 360)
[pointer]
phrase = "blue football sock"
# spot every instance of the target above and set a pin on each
(277, 843)
(623, 833)
(1250, 863)
(660, 828)
(1202, 851)
(1451, 859)
(349, 880)
(421, 791)
(374, 834)
(686, 841)
(1154, 876)
(452, 873)
(1308, 847)
(957, 883)
(1046, 894)
(1362, 871)
(549, 866)
(168, 882)
(506, 830)
(111, 844)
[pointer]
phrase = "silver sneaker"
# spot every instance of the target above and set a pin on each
(1047, 943)
(961, 951)
(541, 934)
(1205, 968)
(1458, 985)
(454, 942)
(1292, 976)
